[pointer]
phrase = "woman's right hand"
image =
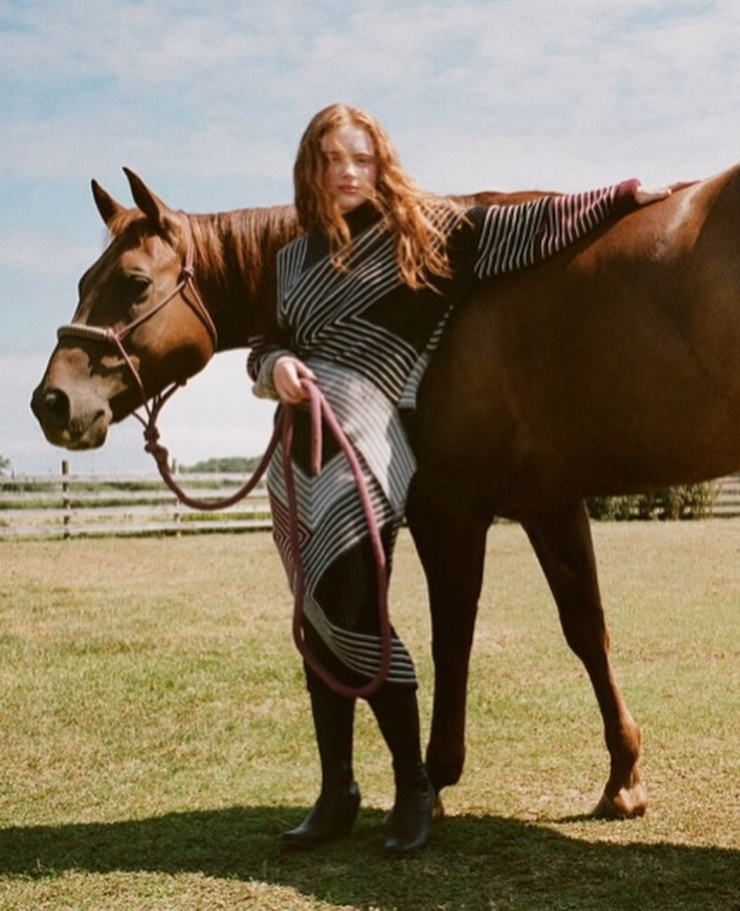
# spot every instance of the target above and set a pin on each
(287, 374)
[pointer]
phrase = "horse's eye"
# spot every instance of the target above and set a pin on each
(138, 286)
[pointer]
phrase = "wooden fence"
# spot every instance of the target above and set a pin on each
(66, 505)
(727, 503)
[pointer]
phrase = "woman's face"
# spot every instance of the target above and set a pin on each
(351, 169)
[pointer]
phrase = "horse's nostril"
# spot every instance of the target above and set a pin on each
(51, 405)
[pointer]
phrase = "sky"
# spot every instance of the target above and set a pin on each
(206, 101)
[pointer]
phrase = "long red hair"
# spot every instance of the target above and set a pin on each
(419, 220)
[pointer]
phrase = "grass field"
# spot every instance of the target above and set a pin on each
(155, 739)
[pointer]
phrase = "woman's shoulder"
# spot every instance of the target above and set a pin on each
(296, 244)
(291, 252)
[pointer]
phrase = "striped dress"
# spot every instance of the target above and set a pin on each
(368, 337)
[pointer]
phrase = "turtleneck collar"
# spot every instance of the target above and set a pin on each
(361, 218)
(358, 220)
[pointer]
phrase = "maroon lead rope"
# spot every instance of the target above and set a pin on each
(320, 411)
(162, 457)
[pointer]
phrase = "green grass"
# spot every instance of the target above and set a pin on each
(155, 739)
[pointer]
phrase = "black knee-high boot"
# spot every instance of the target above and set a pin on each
(408, 823)
(334, 812)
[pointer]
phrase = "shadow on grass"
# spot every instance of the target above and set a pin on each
(472, 863)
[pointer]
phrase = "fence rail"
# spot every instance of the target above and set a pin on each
(727, 504)
(67, 505)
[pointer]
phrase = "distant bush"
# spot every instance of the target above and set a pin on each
(235, 464)
(686, 501)
(613, 509)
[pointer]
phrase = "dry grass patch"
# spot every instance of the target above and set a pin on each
(155, 739)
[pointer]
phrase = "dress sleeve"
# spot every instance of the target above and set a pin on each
(516, 236)
(260, 361)
(267, 344)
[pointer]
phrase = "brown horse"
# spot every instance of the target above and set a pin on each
(611, 368)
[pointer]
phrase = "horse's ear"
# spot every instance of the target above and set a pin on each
(153, 207)
(107, 206)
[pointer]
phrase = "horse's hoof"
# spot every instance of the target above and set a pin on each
(438, 810)
(626, 804)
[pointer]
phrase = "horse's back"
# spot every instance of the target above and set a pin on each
(610, 368)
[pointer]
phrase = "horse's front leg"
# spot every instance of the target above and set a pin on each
(450, 539)
(564, 548)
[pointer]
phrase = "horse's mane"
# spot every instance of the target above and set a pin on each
(243, 243)
(235, 249)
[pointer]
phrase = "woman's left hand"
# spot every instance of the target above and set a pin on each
(643, 196)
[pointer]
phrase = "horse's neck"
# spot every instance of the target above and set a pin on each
(234, 261)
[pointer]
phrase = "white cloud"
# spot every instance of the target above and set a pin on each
(207, 102)
(45, 255)
(230, 89)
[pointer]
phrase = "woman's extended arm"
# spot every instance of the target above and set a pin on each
(513, 237)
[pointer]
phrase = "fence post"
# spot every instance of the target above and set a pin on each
(66, 503)
(176, 510)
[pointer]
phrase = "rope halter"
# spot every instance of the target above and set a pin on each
(115, 339)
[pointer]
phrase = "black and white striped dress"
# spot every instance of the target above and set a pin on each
(368, 337)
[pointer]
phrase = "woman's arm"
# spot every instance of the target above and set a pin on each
(260, 362)
(272, 364)
(513, 237)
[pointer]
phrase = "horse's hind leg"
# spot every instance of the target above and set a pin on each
(565, 550)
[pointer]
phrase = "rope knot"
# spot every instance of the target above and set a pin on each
(154, 447)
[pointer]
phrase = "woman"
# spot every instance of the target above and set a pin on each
(363, 297)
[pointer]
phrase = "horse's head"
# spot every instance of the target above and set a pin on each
(139, 326)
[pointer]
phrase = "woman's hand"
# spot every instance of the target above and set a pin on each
(287, 374)
(643, 196)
